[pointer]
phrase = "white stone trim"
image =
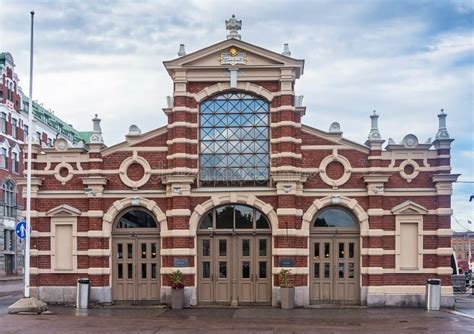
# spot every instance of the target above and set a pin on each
(225, 86)
(124, 169)
(291, 232)
(182, 124)
(170, 270)
(178, 213)
(349, 203)
(234, 197)
(178, 251)
(63, 179)
(286, 155)
(335, 157)
(182, 156)
(290, 252)
(289, 212)
(293, 270)
(285, 140)
(406, 289)
(416, 170)
(90, 271)
(285, 123)
(181, 140)
(120, 205)
(411, 219)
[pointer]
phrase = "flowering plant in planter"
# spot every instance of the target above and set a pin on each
(287, 290)
(285, 278)
(177, 280)
(177, 290)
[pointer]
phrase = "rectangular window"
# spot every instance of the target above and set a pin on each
(3, 120)
(408, 246)
(38, 136)
(14, 125)
(63, 249)
(25, 132)
(15, 162)
(4, 158)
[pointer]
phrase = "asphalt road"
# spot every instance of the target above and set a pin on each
(10, 292)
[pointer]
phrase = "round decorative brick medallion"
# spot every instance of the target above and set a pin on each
(135, 171)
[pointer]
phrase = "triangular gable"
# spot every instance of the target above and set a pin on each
(335, 138)
(64, 210)
(5, 144)
(409, 208)
(207, 57)
(132, 141)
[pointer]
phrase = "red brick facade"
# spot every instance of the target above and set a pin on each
(310, 169)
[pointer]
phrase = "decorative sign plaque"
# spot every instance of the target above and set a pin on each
(287, 262)
(233, 57)
(180, 262)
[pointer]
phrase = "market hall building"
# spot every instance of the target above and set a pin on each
(233, 189)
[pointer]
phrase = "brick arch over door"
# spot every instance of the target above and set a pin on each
(217, 200)
(241, 86)
(346, 202)
(118, 206)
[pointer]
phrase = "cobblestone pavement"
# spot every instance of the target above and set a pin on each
(242, 320)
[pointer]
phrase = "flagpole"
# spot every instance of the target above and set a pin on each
(28, 170)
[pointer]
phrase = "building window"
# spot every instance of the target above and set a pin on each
(9, 240)
(15, 162)
(38, 136)
(4, 158)
(9, 199)
(10, 91)
(14, 125)
(234, 141)
(3, 120)
(25, 132)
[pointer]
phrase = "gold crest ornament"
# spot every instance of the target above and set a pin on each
(233, 52)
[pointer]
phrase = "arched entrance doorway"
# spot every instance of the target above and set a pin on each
(234, 256)
(335, 258)
(135, 256)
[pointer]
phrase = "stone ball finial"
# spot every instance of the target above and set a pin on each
(335, 128)
(182, 50)
(134, 130)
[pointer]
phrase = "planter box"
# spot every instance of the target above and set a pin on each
(287, 297)
(177, 299)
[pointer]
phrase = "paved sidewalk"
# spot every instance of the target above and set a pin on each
(11, 278)
(242, 320)
(465, 305)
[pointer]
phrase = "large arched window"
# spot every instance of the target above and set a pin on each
(234, 140)
(9, 198)
(234, 217)
(335, 217)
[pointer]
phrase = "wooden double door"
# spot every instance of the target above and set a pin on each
(135, 273)
(234, 270)
(335, 269)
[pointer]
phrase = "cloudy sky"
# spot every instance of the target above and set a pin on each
(406, 59)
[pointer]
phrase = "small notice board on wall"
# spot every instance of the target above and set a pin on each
(286, 262)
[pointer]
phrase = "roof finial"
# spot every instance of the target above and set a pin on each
(96, 137)
(442, 129)
(233, 25)
(374, 133)
(286, 50)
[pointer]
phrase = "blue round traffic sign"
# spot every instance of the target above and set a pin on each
(21, 229)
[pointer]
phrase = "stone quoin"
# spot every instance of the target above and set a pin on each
(233, 189)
